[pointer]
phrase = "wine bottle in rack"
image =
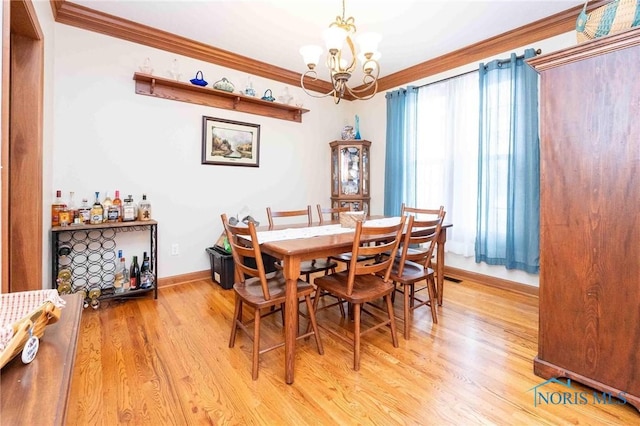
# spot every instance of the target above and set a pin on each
(134, 274)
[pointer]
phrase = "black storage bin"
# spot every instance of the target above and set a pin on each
(222, 268)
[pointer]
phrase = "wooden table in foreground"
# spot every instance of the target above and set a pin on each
(292, 252)
(37, 392)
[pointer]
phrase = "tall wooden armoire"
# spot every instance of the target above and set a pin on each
(589, 327)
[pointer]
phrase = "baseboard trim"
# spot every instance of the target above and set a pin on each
(448, 271)
(491, 281)
(184, 278)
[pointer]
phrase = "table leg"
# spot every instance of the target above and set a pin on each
(442, 239)
(291, 271)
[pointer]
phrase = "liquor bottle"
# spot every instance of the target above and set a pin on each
(116, 207)
(97, 211)
(129, 210)
(73, 209)
(57, 205)
(84, 212)
(118, 282)
(134, 274)
(106, 203)
(144, 209)
(64, 216)
(146, 276)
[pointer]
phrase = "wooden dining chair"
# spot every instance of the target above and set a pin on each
(423, 213)
(307, 267)
(261, 291)
(412, 263)
(334, 213)
(360, 284)
(344, 258)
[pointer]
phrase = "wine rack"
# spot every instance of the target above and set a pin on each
(84, 259)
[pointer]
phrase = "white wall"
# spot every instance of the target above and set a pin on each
(105, 137)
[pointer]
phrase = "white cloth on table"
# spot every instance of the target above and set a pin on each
(317, 231)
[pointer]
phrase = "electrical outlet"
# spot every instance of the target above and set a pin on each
(175, 249)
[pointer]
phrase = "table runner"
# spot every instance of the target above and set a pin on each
(316, 231)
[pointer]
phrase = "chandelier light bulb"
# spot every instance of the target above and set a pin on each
(311, 55)
(334, 38)
(368, 42)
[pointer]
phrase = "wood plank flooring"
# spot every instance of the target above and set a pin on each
(167, 362)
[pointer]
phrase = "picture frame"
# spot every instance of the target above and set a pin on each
(230, 143)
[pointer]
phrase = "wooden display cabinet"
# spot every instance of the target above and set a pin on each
(350, 162)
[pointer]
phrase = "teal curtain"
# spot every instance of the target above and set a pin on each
(401, 159)
(507, 231)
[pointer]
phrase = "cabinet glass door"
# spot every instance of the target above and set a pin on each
(350, 170)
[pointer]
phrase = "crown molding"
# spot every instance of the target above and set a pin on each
(69, 13)
(551, 26)
(85, 18)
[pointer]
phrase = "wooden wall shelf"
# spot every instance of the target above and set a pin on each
(165, 88)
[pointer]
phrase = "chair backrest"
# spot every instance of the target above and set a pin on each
(385, 239)
(333, 211)
(421, 236)
(244, 245)
(289, 213)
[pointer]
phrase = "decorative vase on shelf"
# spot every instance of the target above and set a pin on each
(348, 133)
(174, 72)
(249, 90)
(357, 136)
(146, 66)
(286, 97)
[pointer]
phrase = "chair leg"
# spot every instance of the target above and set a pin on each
(314, 324)
(356, 336)
(256, 345)
(237, 316)
(408, 320)
(316, 300)
(340, 304)
(431, 288)
(392, 321)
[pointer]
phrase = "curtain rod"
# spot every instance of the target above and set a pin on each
(504, 61)
(537, 52)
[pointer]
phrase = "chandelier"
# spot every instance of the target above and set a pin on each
(342, 60)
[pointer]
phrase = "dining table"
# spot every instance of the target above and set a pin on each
(295, 243)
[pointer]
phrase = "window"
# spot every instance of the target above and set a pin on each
(447, 155)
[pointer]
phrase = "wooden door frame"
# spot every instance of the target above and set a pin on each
(22, 147)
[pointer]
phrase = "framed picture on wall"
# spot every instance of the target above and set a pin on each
(230, 143)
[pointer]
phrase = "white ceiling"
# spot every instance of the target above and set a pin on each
(272, 31)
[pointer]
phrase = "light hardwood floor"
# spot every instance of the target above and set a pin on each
(167, 362)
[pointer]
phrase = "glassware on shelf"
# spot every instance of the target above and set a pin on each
(174, 72)
(146, 66)
(249, 90)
